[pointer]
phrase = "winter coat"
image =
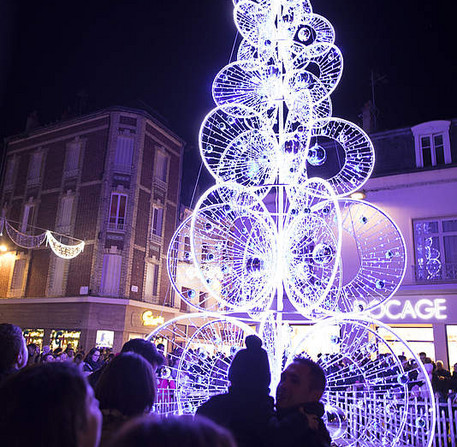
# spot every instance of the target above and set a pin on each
(245, 413)
(290, 427)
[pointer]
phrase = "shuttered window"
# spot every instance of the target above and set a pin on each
(124, 153)
(111, 275)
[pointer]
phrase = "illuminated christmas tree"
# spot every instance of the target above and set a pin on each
(278, 241)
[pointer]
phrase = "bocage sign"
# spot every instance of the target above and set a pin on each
(422, 309)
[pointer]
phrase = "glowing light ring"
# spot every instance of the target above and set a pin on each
(181, 269)
(358, 152)
(382, 254)
(329, 66)
(254, 22)
(249, 84)
(236, 145)
(312, 246)
(370, 398)
(246, 52)
(235, 249)
(324, 34)
(24, 240)
(304, 114)
(200, 368)
(62, 250)
(293, 154)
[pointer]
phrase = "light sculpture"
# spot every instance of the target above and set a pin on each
(267, 243)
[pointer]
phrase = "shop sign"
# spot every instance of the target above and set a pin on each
(423, 309)
(150, 320)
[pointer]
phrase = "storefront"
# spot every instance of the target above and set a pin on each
(84, 322)
(428, 323)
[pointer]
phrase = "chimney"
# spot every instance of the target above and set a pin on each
(32, 122)
(368, 123)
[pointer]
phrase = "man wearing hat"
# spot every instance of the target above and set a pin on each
(247, 407)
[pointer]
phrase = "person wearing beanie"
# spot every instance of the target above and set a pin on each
(247, 407)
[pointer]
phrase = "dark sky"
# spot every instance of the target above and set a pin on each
(165, 54)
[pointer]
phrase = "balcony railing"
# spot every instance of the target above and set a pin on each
(445, 272)
(116, 226)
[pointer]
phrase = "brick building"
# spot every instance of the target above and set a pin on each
(111, 179)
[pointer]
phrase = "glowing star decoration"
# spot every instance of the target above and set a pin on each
(277, 241)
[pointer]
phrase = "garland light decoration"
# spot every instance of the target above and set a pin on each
(263, 248)
(62, 250)
(29, 241)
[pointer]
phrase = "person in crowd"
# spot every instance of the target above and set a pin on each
(126, 388)
(441, 380)
(34, 353)
(70, 353)
(79, 362)
(92, 361)
(298, 420)
(145, 348)
(453, 380)
(172, 431)
(49, 405)
(48, 358)
(13, 350)
(247, 407)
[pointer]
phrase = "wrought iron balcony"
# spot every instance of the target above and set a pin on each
(445, 272)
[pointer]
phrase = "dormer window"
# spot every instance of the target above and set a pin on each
(432, 143)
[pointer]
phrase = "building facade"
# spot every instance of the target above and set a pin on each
(111, 179)
(415, 183)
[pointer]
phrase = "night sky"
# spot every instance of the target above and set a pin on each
(163, 55)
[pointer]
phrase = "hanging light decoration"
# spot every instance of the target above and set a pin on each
(24, 240)
(62, 250)
(30, 242)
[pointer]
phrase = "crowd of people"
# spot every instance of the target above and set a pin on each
(65, 397)
(69, 399)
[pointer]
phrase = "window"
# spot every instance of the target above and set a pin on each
(187, 255)
(111, 275)
(189, 294)
(202, 299)
(27, 217)
(35, 163)
(65, 213)
(161, 166)
(436, 249)
(57, 277)
(72, 158)
(157, 221)
(432, 143)
(17, 280)
(419, 339)
(152, 280)
(124, 153)
(117, 211)
(451, 331)
(10, 173)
